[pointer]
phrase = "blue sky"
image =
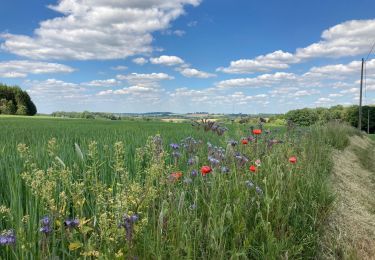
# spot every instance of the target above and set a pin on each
(187, 55)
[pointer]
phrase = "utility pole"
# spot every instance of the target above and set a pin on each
(360, 99)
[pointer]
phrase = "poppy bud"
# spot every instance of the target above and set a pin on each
(293, 159)
(244, 141)
(257, 131)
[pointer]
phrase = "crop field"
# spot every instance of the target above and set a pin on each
(74, 188)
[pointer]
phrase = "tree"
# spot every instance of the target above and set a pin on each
(16, 101)
(303, 117)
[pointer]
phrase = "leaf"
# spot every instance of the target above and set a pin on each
(75, 245)
(79, 151)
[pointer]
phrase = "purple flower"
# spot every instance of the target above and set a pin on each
(9, 238)
(249, 184)
(259, 190)
(46, 225)
(224, 169)
(176, 154)
(71, 223)
(213, 161)
(128, 224)
(191, 161)
(174, 146)
(194, 173)
(232, 142)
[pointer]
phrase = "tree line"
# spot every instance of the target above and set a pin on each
(309, 116)
(15, 101)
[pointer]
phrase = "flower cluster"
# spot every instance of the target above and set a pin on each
(8, 238)
(45, 225)
(208, 125)
(71, 223)
(128, 223)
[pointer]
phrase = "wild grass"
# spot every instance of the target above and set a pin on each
(117, 183)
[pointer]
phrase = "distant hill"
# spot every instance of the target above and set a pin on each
(15, 101)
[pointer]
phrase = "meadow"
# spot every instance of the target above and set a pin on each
(86, 189)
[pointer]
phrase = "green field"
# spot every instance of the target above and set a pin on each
(372, 137)
(127, 197)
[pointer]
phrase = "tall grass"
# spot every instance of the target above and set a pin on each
(117, 183)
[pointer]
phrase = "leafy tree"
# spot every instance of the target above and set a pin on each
(16, 101)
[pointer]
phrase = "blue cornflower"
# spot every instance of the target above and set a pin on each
(9, 238)
(224, 169)
(71, 223)
(174, 146)
(194, 173)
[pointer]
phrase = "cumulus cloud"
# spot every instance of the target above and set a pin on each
(53, 89)
(324, 101)
(140, 61)
(102, 83)
(194, 73)
(97, 29)
(275, 60)
(264, 80)
(167, 60)
(22, 68)
(350, 38)
(119, 68)
(137, 78)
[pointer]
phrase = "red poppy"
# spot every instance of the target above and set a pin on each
(205, 169)
(257, 131)
(253, 168)
(244, 141)
(176, 175)
(293, 159)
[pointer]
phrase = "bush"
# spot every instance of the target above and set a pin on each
(13, 100)
(303, 117)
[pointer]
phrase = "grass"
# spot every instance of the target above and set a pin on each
(372, 136)
(117, 182)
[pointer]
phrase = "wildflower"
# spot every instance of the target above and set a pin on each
(293, 159)
(224, 169)
(8, 238)
(259, 190)
(71, 223)
(205, 170)
(241, 159)
(176, 154)
(214, 162)
(244, 141)
(46, 225)
(253, 168)
(174, 146)
(128, 223)
(257, 131)
(249, 184)
(191, 161)
(232, 143)
(193, 206)
(194, 173)
(175, 176)
(257, 163)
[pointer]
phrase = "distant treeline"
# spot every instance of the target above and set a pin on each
(309, 116)
(86, 115)
(15, 101)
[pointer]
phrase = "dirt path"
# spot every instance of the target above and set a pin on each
(351, 227)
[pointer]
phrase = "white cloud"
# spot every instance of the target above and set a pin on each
(264, 80)
(178, 33)
(263, 63)
(22, 68)
(167, 60)
(323, 101)
(53, 89)
(97, 29)
(140, 61)
(346, 39)
(350, 38)
(194, 73)
(102, 83)
(137, 78)
(119, 68)
(333, 95)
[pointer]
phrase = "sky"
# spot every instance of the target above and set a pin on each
(217, 56)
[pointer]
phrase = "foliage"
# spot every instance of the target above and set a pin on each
(303, 117)
(123, 195)
(86, 115)
(13, 100)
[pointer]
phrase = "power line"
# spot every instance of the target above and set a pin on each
(372, 48)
